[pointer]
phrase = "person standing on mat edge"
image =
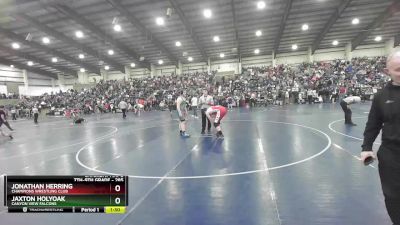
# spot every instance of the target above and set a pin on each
(205, 102)
(35, 112)
(181, 107)
(3, 120)
(346, 109)
(123, 106)
(14, 113)
(219, 112)
(385, 115)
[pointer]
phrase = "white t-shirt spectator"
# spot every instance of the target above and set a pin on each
(194, 101)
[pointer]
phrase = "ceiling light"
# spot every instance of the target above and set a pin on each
(106, 67)
(160, 21)
(30, 63)
(110, 52)
(260, 5)
(45, 40)
(12, 66)
(178, 44)
(79, 34)
(222, 55)
(82, 70)
(117, 28)
(81, 56)
(54, 59)
(133, 65)
(294, 47)
(190, 59)
(304, 27)
(160, 61)
(207, 13)
(216, 38)
(355, 21)
(257, 51)
(15, 45)
(258, 33)
(378, 38)
(335, 42)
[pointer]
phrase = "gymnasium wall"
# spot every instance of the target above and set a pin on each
(39, 90)
(165, 70)
(3, 89)
(257, 61)
(38, 80)
(12, 81)
(225, 67)
(115, 75)
(69, 80)
(329, 54)
(291, 58)
(10, 75)
(370, 51)
(138, 72)
(194, 67)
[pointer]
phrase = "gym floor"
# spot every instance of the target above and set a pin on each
(291, 165)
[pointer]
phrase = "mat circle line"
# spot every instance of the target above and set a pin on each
(219, 175)
(346, 135)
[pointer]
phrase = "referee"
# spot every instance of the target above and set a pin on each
(385, 115)
(123, 106)
(205, 102)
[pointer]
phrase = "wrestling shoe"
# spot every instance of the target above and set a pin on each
(184, 134)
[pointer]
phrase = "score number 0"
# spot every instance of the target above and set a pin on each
(117, 200)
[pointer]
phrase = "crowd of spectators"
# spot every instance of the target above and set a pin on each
(282, 84)
(8, 96)
(315, 81)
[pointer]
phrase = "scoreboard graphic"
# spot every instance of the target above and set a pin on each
(66, 194)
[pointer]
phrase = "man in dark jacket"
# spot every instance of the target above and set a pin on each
(385, 115)
(3, 120)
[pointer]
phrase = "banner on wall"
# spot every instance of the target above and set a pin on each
(3, 89)
(40, 90)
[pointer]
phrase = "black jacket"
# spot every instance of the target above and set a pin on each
(385, 115)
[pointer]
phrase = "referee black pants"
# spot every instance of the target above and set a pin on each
(389, 172)
(310, 99)
(347, 112)
(123, 113)
(35, 117)
(204, 120)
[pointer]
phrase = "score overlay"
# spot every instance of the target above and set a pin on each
(66, 194)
